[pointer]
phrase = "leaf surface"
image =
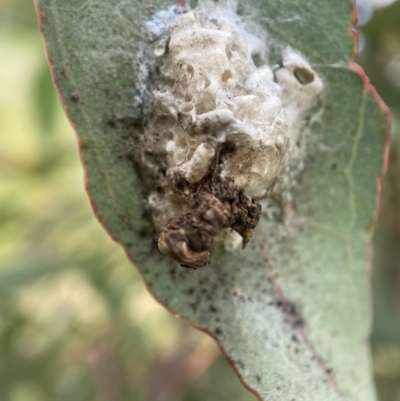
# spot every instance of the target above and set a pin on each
(292, 311)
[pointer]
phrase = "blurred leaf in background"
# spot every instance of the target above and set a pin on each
(380, 57)
(75, 320)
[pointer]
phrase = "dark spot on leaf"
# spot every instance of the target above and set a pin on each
(289, 309)
(75, 96)
(111, 123)
(63, 73)
(143, 232)
(213, 309)
(334, 166)
(218, 331)
(258, 378)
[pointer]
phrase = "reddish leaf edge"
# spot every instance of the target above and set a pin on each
(379, 181)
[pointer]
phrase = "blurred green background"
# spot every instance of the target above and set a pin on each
(76, 323)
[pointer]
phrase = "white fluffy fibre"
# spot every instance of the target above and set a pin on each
(208, 91)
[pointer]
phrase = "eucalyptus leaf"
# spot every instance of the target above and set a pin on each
(291, 312)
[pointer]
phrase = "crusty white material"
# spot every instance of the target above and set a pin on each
(207, 92)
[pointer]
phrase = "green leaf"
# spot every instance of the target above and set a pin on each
(292, 311)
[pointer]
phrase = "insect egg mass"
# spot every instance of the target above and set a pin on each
(220, 134)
